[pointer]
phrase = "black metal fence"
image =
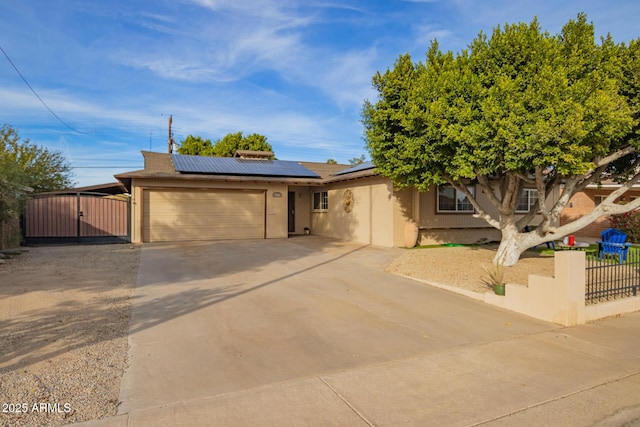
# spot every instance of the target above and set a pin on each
(608, 278)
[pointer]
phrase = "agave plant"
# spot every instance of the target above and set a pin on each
(494, 276)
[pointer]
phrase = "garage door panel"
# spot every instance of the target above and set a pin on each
(168, 233)
(203, 215)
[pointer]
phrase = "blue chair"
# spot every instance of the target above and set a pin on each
(613, 242)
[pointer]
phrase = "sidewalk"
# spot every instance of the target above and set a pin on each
(584, 376)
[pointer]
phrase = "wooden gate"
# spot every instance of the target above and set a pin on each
(80, 218)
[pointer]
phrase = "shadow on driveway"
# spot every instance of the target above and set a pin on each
(221, 317)
(156, 311)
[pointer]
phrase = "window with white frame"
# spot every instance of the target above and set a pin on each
(452, 200)
(320, 201)
(599, 198)
(527, 200)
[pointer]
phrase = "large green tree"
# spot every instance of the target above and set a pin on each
(521, 108)
(225, 147)
(13, 193)
(24, 168)
(357, 160)
(31, 165)
(196, 146)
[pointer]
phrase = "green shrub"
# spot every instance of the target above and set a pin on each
(629, 223)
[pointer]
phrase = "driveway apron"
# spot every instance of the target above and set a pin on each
(311, 331)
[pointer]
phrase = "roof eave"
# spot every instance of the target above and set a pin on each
(221, 177)
(350, 176)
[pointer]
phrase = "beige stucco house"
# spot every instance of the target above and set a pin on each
(178, 198)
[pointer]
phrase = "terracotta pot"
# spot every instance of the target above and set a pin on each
(410, 234)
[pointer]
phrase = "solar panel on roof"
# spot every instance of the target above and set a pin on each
(236, 166)
(356, 168)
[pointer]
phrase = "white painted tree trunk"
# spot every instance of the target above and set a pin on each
(513, 244)
(508, 252)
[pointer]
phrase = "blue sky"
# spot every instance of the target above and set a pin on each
(296, 71)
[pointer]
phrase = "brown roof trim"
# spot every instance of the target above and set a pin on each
(241, 178)
(325, 170)
(227, 178)
(350, 176)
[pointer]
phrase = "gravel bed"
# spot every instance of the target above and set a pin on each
(64, 318)
(464, 266)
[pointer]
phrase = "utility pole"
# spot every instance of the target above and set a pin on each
(170, 139)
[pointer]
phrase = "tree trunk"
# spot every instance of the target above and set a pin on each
(512, 245)
(508, 252)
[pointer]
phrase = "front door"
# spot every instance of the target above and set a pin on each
(292, 212)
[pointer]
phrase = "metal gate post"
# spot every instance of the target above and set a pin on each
(78, 219)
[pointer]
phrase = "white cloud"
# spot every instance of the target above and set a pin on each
(225, 41)
(347, 77)
(428, 32)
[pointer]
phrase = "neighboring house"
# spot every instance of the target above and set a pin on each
(178, 197)
(585, 201)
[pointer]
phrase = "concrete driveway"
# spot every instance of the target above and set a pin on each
(311, 331)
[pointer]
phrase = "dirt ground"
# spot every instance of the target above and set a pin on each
(64, 315)
(464, 267)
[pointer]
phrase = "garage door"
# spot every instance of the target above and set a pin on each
(174, 215)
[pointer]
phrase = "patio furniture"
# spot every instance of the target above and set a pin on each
(613, 242)
(550, 244)
(577, 246)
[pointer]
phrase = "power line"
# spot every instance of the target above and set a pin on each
(38, 96)
(106, 167)
(91, 159)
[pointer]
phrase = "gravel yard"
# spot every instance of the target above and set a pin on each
(64, 317)
(463, 266)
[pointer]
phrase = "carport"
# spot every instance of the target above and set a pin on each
(96, 214)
